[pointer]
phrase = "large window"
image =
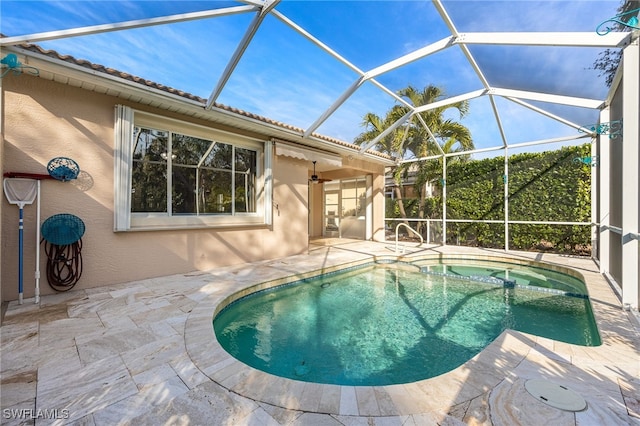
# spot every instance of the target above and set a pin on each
(182, 175)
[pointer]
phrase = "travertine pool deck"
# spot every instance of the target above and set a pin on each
(144, 353)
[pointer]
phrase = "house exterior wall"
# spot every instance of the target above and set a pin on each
(43, 120)
(377, 185)
(315, 213)
(2, 204)
(351, 168)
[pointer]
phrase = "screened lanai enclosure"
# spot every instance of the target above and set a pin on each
(552, 148)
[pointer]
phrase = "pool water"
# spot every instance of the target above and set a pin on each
(379, 326)
(519, 275)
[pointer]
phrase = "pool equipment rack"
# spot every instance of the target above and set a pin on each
(21, 192)
(58, 168)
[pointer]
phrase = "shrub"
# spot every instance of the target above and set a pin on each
(551, 186)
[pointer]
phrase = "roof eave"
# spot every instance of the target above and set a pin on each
(57, 69)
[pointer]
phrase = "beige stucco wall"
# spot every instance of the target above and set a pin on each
(378, 206)
(43, 120)
(316, 203)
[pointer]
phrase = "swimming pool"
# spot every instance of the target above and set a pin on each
(399, 323)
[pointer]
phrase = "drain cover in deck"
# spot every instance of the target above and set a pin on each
(555, 395)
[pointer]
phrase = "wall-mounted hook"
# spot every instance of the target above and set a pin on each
(589, 161)
(11, 63)
(619, 20)
(612, 128)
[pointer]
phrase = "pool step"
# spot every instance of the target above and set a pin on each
(502, 282)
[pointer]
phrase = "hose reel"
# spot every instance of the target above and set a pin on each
(62, 236)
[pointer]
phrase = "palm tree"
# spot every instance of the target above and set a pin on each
(390, 144)
(413, 140)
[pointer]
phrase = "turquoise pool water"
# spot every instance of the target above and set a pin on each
(381, 325)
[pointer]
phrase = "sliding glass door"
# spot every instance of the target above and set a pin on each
(345, 208)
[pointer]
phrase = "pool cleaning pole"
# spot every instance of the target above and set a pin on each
(20, 244)
(37, 274)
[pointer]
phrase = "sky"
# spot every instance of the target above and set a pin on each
(285, 77)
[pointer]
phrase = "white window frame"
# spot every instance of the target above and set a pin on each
(124, 220)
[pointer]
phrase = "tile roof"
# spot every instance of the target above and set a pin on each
(151, 84)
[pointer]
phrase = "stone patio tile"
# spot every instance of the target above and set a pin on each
(50, 367)
(116, 321)
(88, 389)
(630, 389)
(207, 404)
(19, 347)
(20, 414)
(436, 418)
(154, 353)
(212, 366)
(125, 290)
(18, 388)
(367, 403)
(260, 417)
(147, 397)
(330, 399)
(311, 397)
(315, 419)
(62, 298)
(63, 332)
(187, 371)
(122, 308)
(603, 412)
(281, 415)
(113, 343)
(478, 411)
(228, 373)
(162, 329)
(403, 399)
(254, 384)
(348, 401)
(34, 313)
(90, 306)
(385, 403)
(154, 375)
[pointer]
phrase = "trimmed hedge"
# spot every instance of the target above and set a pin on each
(546, 186)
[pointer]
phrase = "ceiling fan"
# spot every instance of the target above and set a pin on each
(314, 177)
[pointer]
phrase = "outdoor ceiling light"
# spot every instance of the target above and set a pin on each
(631, 22)
(314, 177)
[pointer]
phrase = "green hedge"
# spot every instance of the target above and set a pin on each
(545, 186)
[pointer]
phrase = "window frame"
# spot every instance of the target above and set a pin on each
(125, 220)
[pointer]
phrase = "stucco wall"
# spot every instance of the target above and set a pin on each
(43, 120)
(315, 222)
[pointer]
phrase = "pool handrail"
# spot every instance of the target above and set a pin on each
(410, 229)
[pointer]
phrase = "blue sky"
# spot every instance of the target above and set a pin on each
(285, 77)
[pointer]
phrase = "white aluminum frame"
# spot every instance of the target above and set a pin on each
(629, 75)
